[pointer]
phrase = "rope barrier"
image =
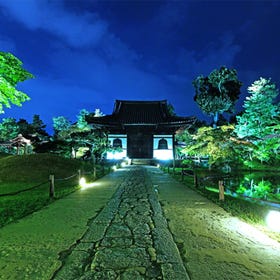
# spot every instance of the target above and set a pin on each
(37, 186)
(67, 178)
(25, 190)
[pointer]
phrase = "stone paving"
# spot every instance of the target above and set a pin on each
(128, 239)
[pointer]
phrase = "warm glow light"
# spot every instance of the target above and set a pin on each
(82, 182)
(84, 185)
(251, 232)
(273, 220)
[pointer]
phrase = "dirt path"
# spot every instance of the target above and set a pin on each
(214, 244)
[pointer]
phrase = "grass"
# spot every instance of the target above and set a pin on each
(18, 173)
(247, 210)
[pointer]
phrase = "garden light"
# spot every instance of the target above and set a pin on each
(273, 220)
(251, 232)
(84, 185)
(82, 182)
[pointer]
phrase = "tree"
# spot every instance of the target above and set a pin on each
(38, 127)
(93, 138)
(61, 127)
(216, 143)
(81, 120)
(171, 109)
(11, 73)
(8, 129)
(261, 115)
(24, 127)
(218, 92)
(260, 121)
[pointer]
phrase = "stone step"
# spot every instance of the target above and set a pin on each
(142, 161)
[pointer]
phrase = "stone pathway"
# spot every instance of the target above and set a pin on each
(129, 239)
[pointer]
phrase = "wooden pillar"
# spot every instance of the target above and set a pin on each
(195, 181)
(173, 151)
(221, 191)
(51, 178)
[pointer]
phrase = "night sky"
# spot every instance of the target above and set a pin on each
(85, 54)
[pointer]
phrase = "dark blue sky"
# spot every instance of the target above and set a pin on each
(85, 53)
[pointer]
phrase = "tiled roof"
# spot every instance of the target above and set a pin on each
(140, 113)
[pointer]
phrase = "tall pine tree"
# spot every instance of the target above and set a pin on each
(260, 121)
(261, 115)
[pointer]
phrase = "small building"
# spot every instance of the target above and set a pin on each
(141, 129)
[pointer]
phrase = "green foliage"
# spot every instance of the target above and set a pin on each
(61, 127)
(260, 190)
(217, 143)
(11, 73)
(38, 126)
(260, 121)
(171, 109)
(261, 114)
(81, 120)
(69, 138)
(9, 129)
(218, 92)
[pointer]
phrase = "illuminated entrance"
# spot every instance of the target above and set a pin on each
(141, 129)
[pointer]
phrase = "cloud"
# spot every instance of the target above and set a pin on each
(77, 30)
(7, 45)
(171, 15)
(217, 53)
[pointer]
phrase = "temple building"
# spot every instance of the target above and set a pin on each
(141, 129)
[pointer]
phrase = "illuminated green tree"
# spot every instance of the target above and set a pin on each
(61, 127)
(217, 143)
(69, 137)
(11, 73)
(81, 120)
(260, 121)
(261, 115)
(218, 92)
(8, 129)
(93, 138)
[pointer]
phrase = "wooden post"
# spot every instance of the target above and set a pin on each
(79, 174)
(195, 181)
(221, 191)
(94, 172)
(51, 178)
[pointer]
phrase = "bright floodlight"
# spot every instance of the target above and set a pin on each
(273, 220)
(82, 182)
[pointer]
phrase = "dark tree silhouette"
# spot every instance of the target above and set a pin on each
(218, 92)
